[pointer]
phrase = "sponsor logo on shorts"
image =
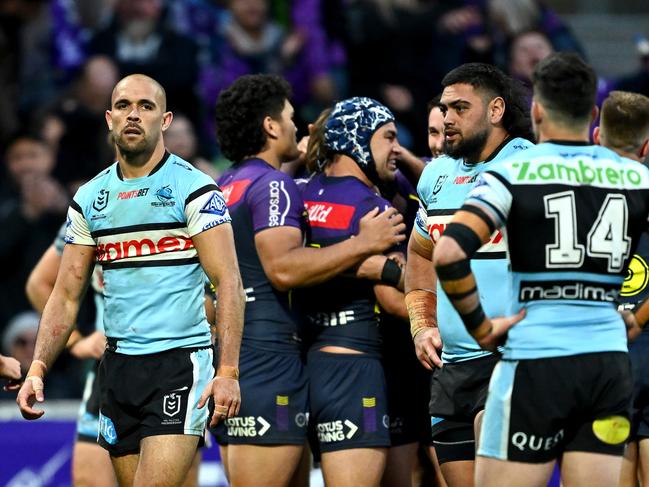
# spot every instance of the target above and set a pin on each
(247, 426)
(369, 414)
(335, 431)
(612, 430)
(107, 429)
(525, 442)
(171, 404)
(301, 419)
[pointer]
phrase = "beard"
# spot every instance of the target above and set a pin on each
(468, 149)
(133, 149)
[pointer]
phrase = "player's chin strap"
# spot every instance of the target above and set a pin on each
(459, 283)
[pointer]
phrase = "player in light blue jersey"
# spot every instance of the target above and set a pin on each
(572, 214)
(484, 122)
(152, 221)
(624, 128)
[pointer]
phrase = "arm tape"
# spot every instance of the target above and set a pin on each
(458, 296)
(465, 237)
(473, 319)
(479, 212)
(454, 271)
(391, 273)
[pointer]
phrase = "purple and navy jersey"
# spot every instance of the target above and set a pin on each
(340, 311)
(260, 197)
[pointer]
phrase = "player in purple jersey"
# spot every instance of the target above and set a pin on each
(137, 120)
(624, 128)
(347, 389)
(255, 130)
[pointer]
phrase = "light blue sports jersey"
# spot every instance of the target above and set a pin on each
(142, 229)
(574, 214)
(442, 188)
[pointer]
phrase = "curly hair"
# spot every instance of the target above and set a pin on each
(493, 82)
(240, 112)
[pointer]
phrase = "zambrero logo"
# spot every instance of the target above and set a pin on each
(599, 173)
(137, 248)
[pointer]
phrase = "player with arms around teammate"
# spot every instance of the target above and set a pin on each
(573, 214)
(624, 128)
(255, 129)
(152, 221)
(485, 121)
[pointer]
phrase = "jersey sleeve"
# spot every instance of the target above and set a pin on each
(205, 207)
(421, 219)
(77, 231)
(275, 201)
(492, 191)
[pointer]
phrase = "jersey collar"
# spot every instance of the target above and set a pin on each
(153, 171)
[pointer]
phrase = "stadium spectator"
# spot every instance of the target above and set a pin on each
(485, 121)
(583, 386)
(255, 129)
(160, 339)
(32, 206)
(624, 128)
(139, 41)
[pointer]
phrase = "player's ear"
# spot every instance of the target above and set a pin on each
(596, 138)
(271, 127)
(537, 112)
(167, 118)
(109, 119)
(496, 110)
(644, 150)
(594, 113)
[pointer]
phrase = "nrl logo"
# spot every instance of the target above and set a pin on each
(171, 404)
(440, 182)
(101, 201)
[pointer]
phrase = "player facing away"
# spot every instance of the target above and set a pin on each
(485, 122)
(573, 214)
(255, 130)
(155, 224)
(624, 128)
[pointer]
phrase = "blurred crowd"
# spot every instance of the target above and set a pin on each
(59, 60)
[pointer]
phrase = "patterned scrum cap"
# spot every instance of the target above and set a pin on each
(350, 127)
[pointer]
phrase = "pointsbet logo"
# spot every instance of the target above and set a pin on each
(604, 173)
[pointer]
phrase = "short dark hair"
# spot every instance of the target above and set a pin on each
(566, 86)
(240, 112)
(435, 103)
(27, 135)
(494, 83)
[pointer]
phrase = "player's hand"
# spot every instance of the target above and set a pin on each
(380, 231)
(9, 368)
(227, 398)
(30, 392)
(632, 327)
(92, 346)
(427, 346)
(499, 328)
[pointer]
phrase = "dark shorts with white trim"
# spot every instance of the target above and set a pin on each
(539, 408)
(149, 395)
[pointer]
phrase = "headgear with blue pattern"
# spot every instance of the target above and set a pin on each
(350, 127)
